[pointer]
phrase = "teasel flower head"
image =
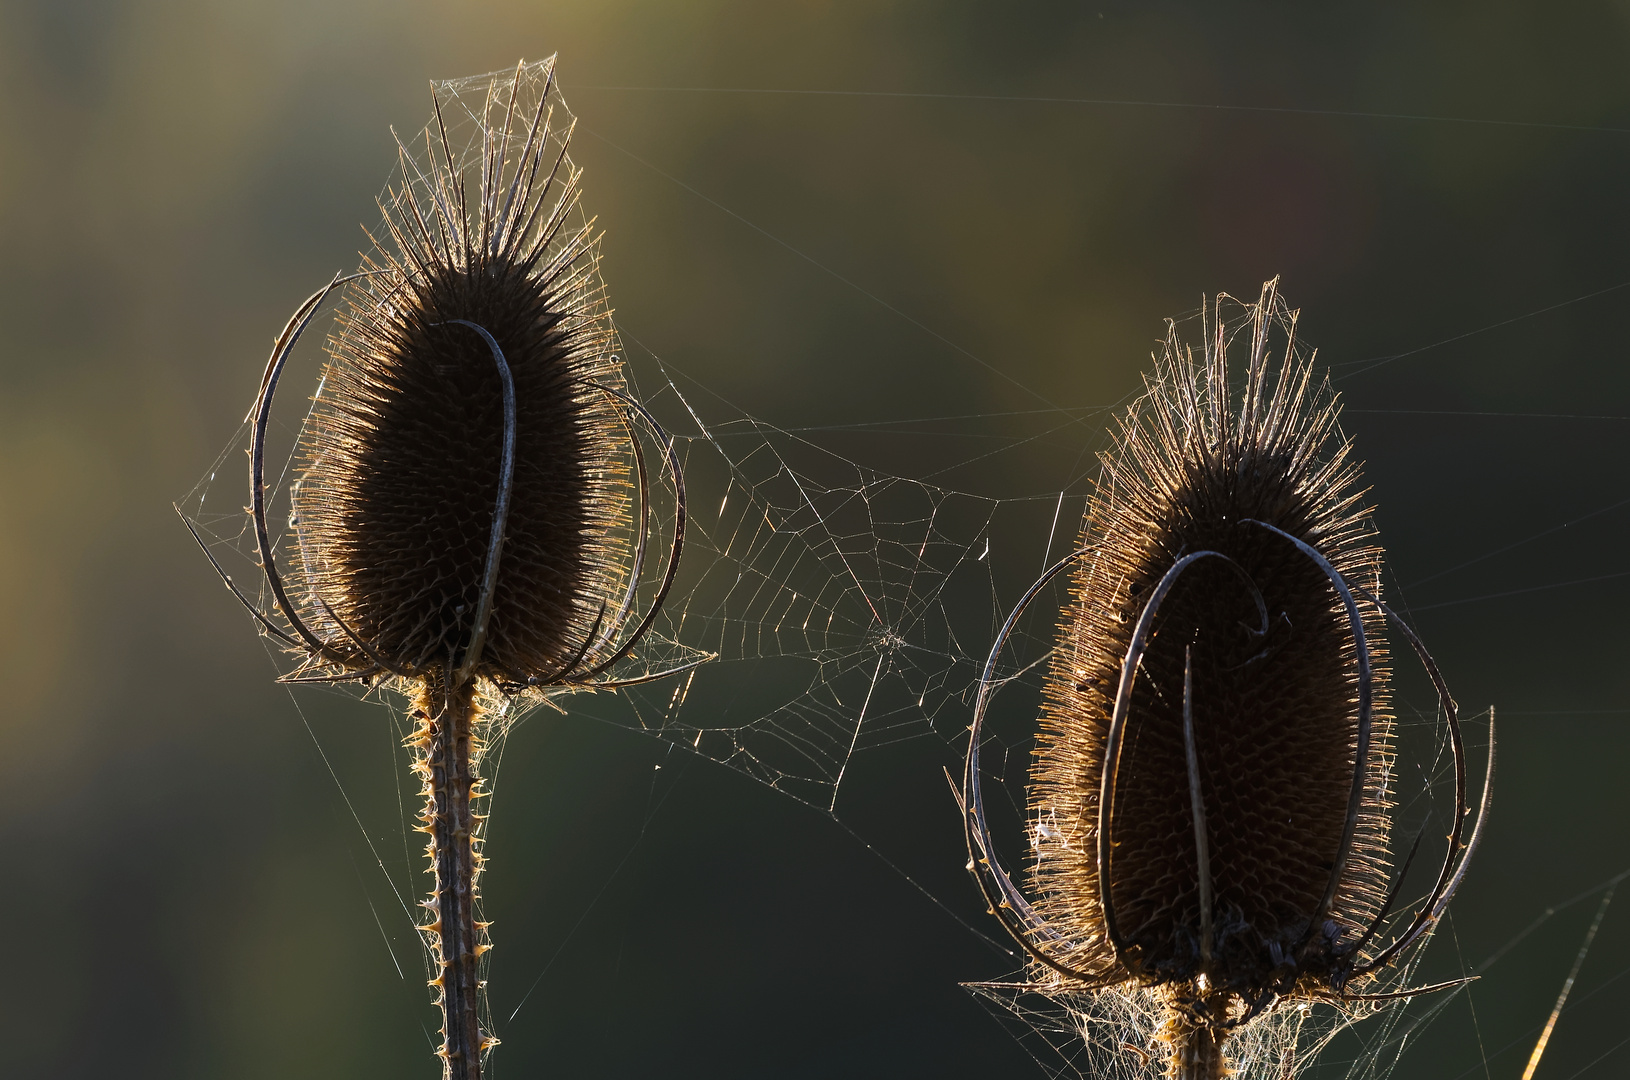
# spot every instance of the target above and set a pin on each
(486, 267)
(1209, 805)
(472, 495)
(473, 506)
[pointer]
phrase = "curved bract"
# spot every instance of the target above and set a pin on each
(1209, 801)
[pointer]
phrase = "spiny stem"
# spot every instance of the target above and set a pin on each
(1196, 1048)
(445, 749)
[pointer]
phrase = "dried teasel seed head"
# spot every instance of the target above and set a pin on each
(484, 264)
(1241, 860)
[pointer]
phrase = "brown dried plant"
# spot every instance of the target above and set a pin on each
(473, 510)
(1209, 803)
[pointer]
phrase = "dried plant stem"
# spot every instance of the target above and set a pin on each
(445, 754)
(1196, 1047)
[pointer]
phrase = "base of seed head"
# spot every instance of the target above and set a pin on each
(1215, 747)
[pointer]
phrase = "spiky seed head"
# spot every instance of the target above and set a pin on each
(1274, 718)
(401, 460)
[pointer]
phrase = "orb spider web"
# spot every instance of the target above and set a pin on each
(829, 609)
(824, 609)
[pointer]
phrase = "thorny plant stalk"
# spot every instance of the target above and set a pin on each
(446, 751)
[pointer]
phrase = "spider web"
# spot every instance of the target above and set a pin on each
(843, 577)
(1111, 1033)
(855, 586)
(842, 609)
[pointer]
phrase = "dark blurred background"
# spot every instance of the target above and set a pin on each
(186, 892)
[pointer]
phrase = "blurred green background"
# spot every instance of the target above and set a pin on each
(185, 891)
